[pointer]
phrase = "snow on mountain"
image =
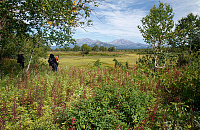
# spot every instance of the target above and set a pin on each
(118, 43)
(87, 41)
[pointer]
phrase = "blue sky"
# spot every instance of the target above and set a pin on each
(118, 19)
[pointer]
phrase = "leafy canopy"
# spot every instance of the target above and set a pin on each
(157, 26)
(52, 20)
(188, 31)
(156, 30)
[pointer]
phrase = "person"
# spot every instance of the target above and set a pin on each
(52, 62)
(57, 59)
(21, 60)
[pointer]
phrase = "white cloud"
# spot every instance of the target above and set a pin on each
(118, 22)
(184, 7)
(120, 18)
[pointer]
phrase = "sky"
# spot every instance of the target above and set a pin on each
(118, 19)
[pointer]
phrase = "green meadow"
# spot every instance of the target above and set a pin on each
(77, 59)
(86, 94)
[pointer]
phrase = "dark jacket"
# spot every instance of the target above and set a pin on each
(52, 60)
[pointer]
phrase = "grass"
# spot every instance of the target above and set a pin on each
(99, 97)
(70, 59)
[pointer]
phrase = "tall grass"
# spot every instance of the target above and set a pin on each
(99, 98)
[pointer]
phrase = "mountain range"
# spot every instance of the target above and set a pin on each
(118, 43)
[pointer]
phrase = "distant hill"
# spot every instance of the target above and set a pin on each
(54, 47)
(118, 43)
(102, 44)
(87, 41)
(126, 44)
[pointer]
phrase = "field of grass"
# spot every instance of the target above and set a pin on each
(77, 59)
(115, 98)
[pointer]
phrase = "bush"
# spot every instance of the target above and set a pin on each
(110, 108)
(182, 60)
(183, 82)
(100, 98)
(97, 63)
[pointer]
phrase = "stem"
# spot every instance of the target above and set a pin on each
(33, 51)
(31, 56)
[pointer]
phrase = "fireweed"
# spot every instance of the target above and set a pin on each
(104, 98)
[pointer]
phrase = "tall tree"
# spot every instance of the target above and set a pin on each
(95, 48)
(188, 32)
(102, 48)
(76, 48)
(49, 21)
(86, 48)
(111, 49)
(156, 30)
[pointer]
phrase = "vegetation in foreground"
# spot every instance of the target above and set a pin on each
(101, 98)
(154, 94)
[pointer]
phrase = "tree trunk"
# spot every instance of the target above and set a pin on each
(31, 56)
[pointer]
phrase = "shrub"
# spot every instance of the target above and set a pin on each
(97, 63)
(110, 108)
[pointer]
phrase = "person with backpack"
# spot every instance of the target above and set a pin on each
(52, 62)
(21, 60)
(57, 59)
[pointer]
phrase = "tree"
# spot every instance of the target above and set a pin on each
(86, 48)
(76, 48)
(156, 30)
(111, 49)
(67, 49)
(105, 49)
(188, 32)
(95, 48)
(57, 49)
(12, 35)
(49, 21)
(102, 48)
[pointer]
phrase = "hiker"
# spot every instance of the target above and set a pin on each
(21, 60)
(57, 59)
(52, 62)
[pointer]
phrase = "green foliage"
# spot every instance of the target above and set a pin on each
(9, 67)
(182, 60)
(123, 107)
(175, 115)
(67, 49)
(146, 61)
(95, 48)
(144, 51)
(117, 63)
(47, 22)
(100, 98)
(157, 31)
(111, 49)
(157, 26)
(97, 63)
(76, 48)
(85, 47)
(184, 83)
(43, 16)
(187, 33)
(102, 48)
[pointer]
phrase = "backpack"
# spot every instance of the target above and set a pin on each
(19, 59)
(51, 61)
